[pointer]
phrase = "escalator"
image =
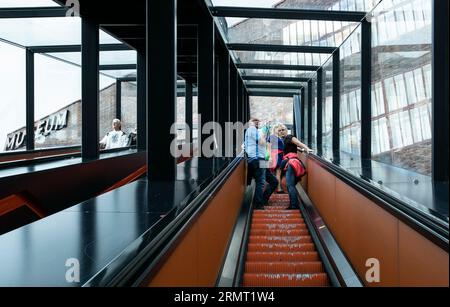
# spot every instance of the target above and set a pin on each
(280, 250)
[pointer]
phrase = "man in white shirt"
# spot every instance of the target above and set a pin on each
(255, 148)
(116, 138)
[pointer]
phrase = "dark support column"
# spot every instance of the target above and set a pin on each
(240, 101)
(248, 108)
(141, 101)
(233, 104)
(119, 99)
(206, 71)
(297, 116)
(366, 90)
(319, 110)
(302, 115)
(224, 94)
(310, 113)
(162, 88)
(440, 89)
(90, 89)
(336, 102)
(189, 108)
(29, 100)
(233, 92)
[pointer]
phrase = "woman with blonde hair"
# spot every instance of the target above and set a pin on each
(277, 149)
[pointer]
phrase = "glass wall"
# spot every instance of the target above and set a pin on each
(401, 84)
(13, 98)
(314, 113)
(350, 90)
(327, 109)
(57, 103)
(272, 109)
(129, 107)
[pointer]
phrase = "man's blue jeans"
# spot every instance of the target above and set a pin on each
(261, 176)
(291, 183)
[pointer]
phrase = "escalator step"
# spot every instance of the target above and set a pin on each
(279, 239)
(276, 208)
(278, 226)
(264, 247)
(282, 256)
(279, 232)
(278, 211)
(285, 280)
(283, 267)
(270, 215)
(261, 220)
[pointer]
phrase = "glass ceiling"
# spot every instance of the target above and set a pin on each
(317, 33)
(27, 3)
(276, 73)
(59, 31)
(285, 58)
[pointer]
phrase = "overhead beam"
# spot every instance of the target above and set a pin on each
(268, 78)
(273, 86)
(76, 48)
(118, 67)
(277, 67)
(33, 12)
(291, 14)
(281, 48)
(272, 94)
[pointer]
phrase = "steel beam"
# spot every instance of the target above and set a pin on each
(277, 67)
(90, 89)
(162, 89)
(141, 100)
(440, 62)
(76, 48)
(285, 13)
(118, 67)
(366, 90)
(272, 94)
(336, 102)
(269, 78)
(29, 80)
(280, 48)
(33, 12)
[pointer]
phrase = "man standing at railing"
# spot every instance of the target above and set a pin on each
(116, 138)
(255, 149)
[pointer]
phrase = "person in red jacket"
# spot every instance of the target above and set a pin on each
(293, 168)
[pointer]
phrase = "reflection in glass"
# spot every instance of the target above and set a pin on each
(12, 103)
(401, 84)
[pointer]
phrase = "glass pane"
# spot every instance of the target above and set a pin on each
(106, 57)
(107, 108)
(350, 90)
(401, 75)
(327, 115)
(277, 73)
(13, 99)
(272, 109)
(314, 114)
(342, 5)
(129, 107)
(286, 58)
(41, 31)
(27, 3)
(297, 85)
(57, 103)
(47, 31)
(289, 32)
(120, 73)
